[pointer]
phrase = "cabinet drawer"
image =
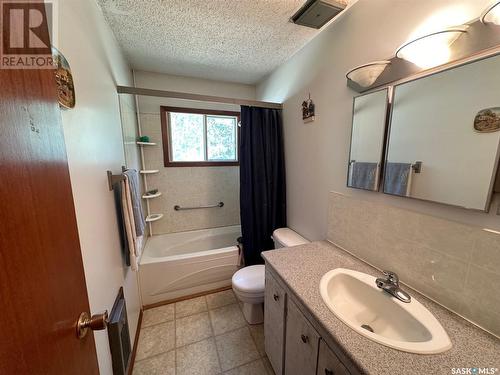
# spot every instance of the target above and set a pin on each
(328, 363)
(301, 346)
(274, 323)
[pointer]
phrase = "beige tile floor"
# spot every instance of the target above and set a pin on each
(201, 336)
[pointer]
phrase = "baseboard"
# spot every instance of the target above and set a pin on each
(136, 341)
(167, 302)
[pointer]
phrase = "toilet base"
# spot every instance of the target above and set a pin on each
(253, 312)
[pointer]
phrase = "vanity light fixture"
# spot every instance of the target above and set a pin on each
(365, 75)
(491, 14)
(431, 50)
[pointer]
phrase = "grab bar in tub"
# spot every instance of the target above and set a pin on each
(179, 208)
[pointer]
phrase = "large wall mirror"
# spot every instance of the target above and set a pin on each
(444, 140)
(367, 140)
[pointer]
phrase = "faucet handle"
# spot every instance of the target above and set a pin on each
(392, 277)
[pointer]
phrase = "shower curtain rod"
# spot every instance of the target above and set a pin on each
(197, 97)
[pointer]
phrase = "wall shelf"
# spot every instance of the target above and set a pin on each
(151, 196)
(153, 217)
(146, 143)
(148, 171)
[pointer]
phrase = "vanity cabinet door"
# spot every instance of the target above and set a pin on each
(274, 323)
(302, 341)
(328, 362)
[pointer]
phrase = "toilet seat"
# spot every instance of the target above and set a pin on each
(250, 281)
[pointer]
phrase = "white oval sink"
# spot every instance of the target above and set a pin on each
(356, 300)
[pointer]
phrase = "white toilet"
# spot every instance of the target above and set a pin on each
(248, 282)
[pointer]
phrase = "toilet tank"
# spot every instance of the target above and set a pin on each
(285, 237)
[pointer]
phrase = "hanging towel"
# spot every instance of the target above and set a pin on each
(117, 191)
(363, 175)
(397, 177)
(129, 229)
(134, 241)
(135, 193)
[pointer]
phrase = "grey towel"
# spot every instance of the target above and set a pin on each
(396, 178)
(363, 175)
(135, 192)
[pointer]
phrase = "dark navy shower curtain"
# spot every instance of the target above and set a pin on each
(262, 180)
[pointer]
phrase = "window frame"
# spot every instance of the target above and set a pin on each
(166, 136)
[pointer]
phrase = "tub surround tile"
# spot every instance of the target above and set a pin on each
(220, 299)
(158, 315)
(442, 259)
(192, 328)
(236, 348)
(252, 368)
(190, 307)
(198, 359)
(188, 186)
(162, 364)
(156, 339)
(301, 269)
(227, 318)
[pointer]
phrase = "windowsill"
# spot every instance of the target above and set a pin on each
(202, 164)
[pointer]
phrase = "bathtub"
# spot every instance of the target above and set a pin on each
(181, 264)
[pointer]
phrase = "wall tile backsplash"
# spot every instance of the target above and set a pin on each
(188, 186)
(456, 265)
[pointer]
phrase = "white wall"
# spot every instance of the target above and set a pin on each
(94, 144)
(188, 186)
(317, 153)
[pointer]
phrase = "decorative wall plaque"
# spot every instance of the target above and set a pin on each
(64, 80)
(308, 109)
(487, 120)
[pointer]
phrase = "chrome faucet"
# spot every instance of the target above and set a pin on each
(391, 286)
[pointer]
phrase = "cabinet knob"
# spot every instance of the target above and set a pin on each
(304, 338)
(328, 372)
(276, 297)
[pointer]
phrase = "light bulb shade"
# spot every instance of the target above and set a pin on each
(431, 50)
(365, 75)
(491, 14)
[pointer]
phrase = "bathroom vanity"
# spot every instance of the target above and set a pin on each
(293, 344)
(303, 337)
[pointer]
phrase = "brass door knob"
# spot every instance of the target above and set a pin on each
(97, 322)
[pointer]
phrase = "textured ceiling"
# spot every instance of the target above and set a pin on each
(228, 40)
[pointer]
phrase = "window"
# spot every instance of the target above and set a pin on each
(199, 137)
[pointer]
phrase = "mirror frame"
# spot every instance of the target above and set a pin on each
(381, 172)
(432, 72)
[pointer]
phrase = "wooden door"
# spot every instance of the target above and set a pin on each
(42, 283)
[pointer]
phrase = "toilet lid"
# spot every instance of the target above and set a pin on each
(250, 279)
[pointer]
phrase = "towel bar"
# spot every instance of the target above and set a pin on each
(114, 178)
(417, 167)
(179, 208)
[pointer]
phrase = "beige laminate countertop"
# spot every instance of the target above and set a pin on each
(301, 268)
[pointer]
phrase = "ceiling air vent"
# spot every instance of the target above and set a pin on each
(316, 13)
